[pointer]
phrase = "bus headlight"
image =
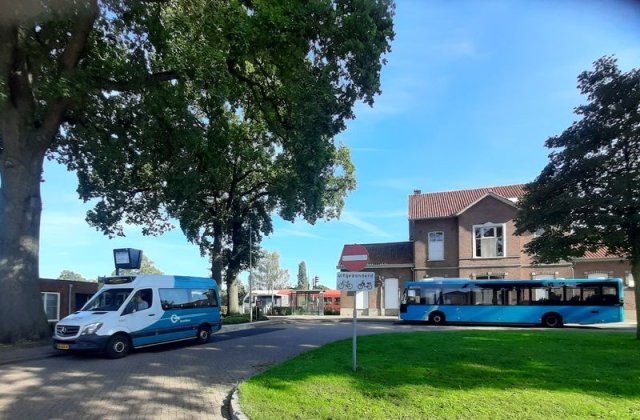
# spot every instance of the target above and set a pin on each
(91, 328)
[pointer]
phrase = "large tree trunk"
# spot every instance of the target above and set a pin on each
(233, 303)
(635, 271)
(217, 261)
(21, 308)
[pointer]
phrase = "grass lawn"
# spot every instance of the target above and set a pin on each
(456, 374)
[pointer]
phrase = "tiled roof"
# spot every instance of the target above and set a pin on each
(392, 253)
(450, 203)
(600, 253)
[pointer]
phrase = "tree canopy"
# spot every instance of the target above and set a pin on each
(303, 277)
(71, 275)
(149, 102)
(268, 275)
(588, 196)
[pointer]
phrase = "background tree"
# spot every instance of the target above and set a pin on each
(229, 158)
(146, 267)
(303, 277)
(71, 275)
(130, 73)
(588, 195)
(268, 275)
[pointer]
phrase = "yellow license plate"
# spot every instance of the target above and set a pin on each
(61, 346)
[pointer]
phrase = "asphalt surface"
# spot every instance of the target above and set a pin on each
(177, 381)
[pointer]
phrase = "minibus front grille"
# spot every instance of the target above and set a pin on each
(67, 330)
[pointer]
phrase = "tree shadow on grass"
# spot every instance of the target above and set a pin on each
(595, 363)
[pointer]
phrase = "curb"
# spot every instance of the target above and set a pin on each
(234, 406)
(35, 353)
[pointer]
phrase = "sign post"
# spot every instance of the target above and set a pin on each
(354, 258)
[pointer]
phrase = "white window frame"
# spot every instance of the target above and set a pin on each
(429, 246)
(629, 281)
(44, 304)
(503, 226)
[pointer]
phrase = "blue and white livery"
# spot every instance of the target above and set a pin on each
(140, 311)
(550, 303)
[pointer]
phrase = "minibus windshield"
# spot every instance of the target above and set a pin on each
(108, 300)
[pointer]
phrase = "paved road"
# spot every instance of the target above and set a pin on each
(171, 381)
(183, 381)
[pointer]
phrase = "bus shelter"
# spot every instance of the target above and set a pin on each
(307, 302)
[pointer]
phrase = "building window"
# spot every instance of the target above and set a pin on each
(488, 241)
(51, 303)
(628, 281)
(436, 246)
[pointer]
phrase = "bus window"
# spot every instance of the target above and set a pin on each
(591, 295)
(413, 296)
(572, 295)
(539, 294)
(511, 296)
(482, 296)
(456, 296)
(609, 295)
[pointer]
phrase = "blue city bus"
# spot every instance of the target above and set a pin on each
(550, 303)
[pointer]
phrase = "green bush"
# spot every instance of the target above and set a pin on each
(281, 310)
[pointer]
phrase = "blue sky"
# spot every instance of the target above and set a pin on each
(471, 92)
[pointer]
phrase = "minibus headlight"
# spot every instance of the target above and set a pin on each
(91, 328)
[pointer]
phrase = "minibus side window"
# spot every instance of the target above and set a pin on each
(141, 300)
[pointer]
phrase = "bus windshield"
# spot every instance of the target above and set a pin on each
(108, 300)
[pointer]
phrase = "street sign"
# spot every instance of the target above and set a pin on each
(354, 257)
(361, 281)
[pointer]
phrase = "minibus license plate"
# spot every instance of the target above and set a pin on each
(61, 346)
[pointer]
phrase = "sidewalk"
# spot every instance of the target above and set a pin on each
(24, 354)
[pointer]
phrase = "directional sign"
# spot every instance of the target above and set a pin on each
(361, 281)
(354, 257)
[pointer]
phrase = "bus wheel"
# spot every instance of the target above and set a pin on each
(436, 318)
(118, 346)
(204, 334)
(552, 320)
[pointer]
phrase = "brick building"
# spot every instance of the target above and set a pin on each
(470, 234)
(62, 297)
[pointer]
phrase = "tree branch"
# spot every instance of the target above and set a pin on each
(69, 61)
(124, 85)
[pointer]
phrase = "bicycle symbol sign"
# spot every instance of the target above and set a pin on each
(355, 281)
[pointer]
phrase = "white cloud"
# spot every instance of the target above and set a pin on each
(369, 149)
(385, 215)
(456, 48)
(406, 185)
(284, 232)
(357, 221)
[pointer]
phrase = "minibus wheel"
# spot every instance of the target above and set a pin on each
(118, 346)
(436, 318)
(204, 334)
(552, 320)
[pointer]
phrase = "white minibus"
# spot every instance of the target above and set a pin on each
(138, 311)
